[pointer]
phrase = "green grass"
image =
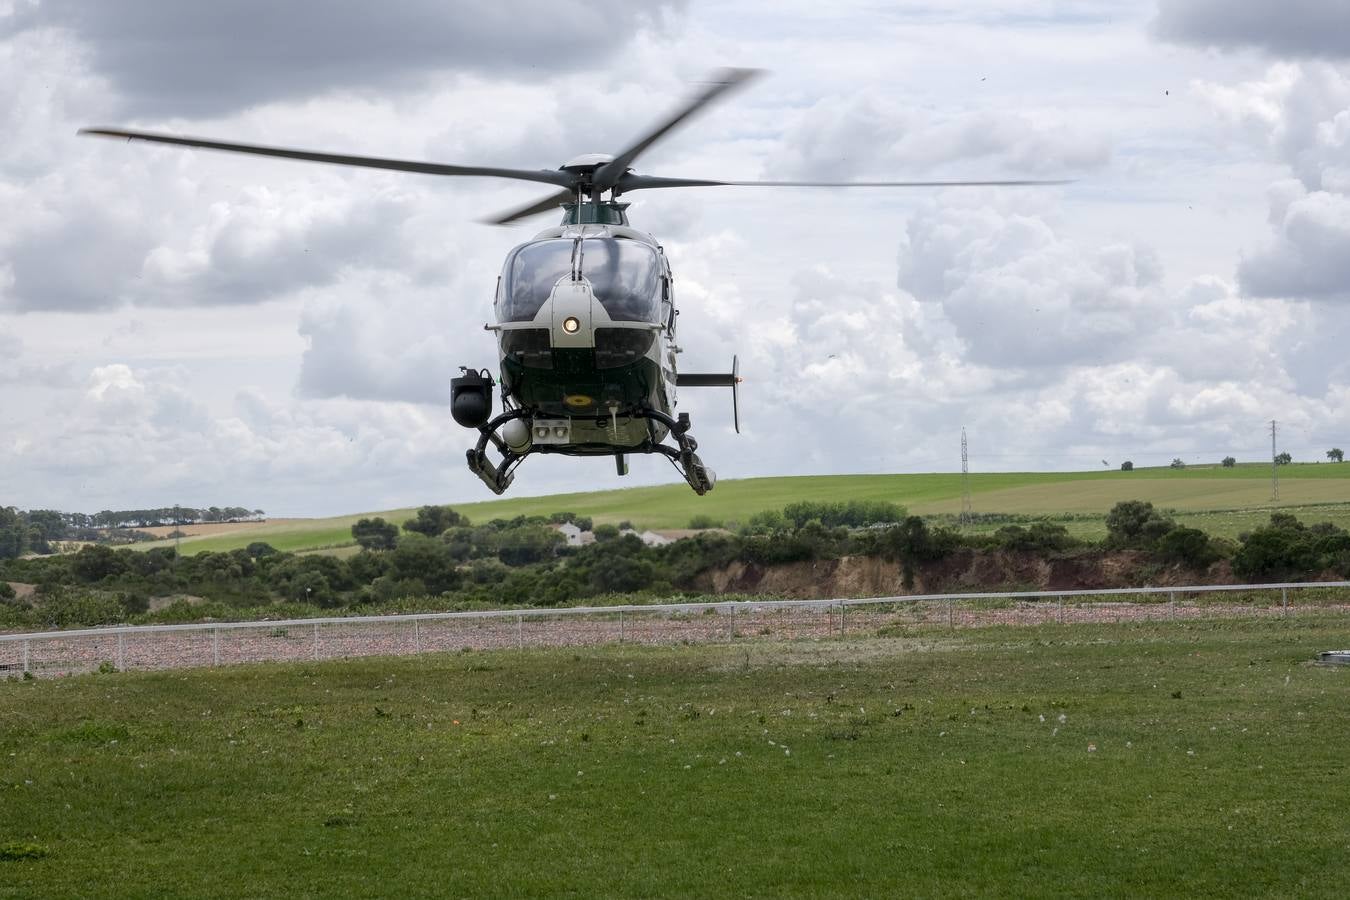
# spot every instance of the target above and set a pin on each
(933, 764)
(1197, 489)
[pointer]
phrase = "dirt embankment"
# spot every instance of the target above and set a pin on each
(963, 571)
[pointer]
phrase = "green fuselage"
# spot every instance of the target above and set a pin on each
(576, 387)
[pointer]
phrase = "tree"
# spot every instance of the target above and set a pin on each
(428, 561)
(1177, 463)
(1283, 459)
(375, 534)
(434, 520)
(1229, 462)
(1127, 466)
(913, 543)
(530, 544)
(1135, 523)
(96, 562)
(1336, 454)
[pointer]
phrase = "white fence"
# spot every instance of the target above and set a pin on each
(224, 643)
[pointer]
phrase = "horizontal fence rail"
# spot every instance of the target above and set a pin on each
(221, 643)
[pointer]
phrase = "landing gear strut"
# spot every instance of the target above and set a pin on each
(498, 477)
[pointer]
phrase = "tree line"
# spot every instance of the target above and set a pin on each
(39, 530)
(446, 562)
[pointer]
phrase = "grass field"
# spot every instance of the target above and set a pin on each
(1179, 759)
(1223, 501)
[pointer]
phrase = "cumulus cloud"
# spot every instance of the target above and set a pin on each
(200, 58)
(1019, 295)
(1300, 114)
(119, 416)
(381, 338)
(1309, 254)
(1297, 28)
(866, 134)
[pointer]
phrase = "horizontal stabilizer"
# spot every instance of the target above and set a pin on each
(691, 379)
(731, 380)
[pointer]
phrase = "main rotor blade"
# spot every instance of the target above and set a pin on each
(369, 162)
(631, 182)
(722, 81)
(551, 202)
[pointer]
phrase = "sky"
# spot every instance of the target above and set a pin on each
(206, 329)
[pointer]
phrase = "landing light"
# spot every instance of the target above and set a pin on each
(559, 431)
(571, 324)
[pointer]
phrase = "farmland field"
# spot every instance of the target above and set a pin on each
(1223, 501)
(1167, 759)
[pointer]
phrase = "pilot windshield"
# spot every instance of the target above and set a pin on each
(625, 276)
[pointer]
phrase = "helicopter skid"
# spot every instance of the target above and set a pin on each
(499, 477)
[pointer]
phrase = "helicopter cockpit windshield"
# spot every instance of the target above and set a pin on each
(625, 276)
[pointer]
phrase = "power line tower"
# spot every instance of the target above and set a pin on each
(967, 510)
(1274, 467)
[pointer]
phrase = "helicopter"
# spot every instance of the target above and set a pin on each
(585, 315)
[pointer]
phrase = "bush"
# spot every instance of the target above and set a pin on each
(1189, 547)
(1041, 537)
(66, 607)
(1135, 523)
(1286, 548)
(1229, 462)
(766, 522)
(854, 513)
(1177, 463)
(6, 592)
(702, 522)
(96, 562)
(1127, 466)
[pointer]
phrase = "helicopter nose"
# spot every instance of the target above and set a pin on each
(572, 321)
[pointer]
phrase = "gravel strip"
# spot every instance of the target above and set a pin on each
(58, 656)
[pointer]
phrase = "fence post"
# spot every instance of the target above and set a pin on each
(842, 611)
(1172, 605)
(25, 657)
(520, 632)
(121, 651)
(316, 640)
(1284, 600)
(417, 636)
(951, 614)
(1059, 610)
(620, 626)
(731, 625)
(215, 646)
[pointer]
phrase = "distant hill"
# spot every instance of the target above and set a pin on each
(1223, 501)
